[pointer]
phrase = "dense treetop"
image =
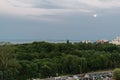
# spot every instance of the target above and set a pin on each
(43, 59)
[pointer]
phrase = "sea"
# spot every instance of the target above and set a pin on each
(19, 41)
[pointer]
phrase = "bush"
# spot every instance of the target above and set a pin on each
(116, 74)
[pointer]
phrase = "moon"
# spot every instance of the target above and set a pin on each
(95, 15)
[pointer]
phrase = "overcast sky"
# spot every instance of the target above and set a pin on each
(59, 19)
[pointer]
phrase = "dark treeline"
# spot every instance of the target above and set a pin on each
(43, 59)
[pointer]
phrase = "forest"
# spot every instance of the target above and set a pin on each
(44, 59)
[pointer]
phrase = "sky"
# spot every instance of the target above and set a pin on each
(59, 19)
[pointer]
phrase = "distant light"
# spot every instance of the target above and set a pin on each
(95, 15)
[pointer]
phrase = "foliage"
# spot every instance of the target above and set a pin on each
(116, 74)
(43, 59)
(8, 62)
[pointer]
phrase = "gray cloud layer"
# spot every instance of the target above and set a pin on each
(67, 3)
(55, 7)
(75, 18)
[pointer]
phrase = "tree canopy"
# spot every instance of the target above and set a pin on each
(43, 59)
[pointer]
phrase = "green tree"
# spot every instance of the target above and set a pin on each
(7, 60)
(72, 64)
(48, 69)
(116, 74)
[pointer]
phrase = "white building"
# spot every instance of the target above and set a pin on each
(116, 41)
(86, 41)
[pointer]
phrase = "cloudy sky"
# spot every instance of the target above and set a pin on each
(59, 19)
